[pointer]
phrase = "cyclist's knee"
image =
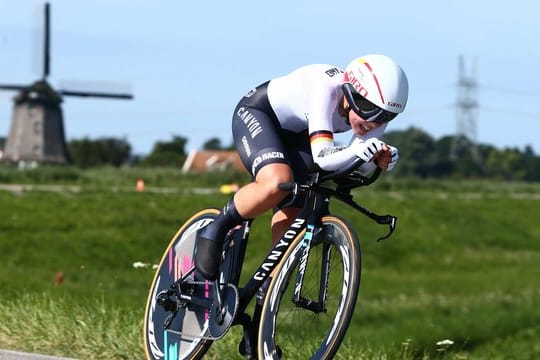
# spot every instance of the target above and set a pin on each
(270, 176)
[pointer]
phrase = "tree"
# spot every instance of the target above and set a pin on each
(213, 144)
(467, 163)
(443, 164)
(87, 153)
(420, 155)
(531, 162)
(417, 147)
(167, 153)
(506, 164)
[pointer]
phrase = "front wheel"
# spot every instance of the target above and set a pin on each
(314, 324)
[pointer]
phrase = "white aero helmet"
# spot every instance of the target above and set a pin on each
(375, 87)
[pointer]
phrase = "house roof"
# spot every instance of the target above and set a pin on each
(207, 160)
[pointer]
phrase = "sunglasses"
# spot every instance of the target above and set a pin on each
(365, 108)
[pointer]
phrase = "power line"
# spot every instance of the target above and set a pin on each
(511, 112)
(509, 91)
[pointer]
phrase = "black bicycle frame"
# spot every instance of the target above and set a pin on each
(315, 207)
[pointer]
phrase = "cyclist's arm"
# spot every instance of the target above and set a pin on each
(321, 104)
(330, 157)
(326, 154)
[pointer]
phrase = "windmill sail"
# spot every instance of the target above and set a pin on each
(46, 42)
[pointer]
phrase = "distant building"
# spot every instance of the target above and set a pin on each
(212, 160)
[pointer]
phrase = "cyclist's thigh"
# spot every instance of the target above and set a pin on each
(257, 139)
(260, 140)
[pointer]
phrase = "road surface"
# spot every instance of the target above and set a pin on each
(16, 355)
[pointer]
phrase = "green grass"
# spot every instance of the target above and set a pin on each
(62, 325)
(462, 265)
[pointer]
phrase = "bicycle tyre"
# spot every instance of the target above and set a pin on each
(285, 327)
(177, 258)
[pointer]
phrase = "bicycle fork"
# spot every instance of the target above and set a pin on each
(319, 305)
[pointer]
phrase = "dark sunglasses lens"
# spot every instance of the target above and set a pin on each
(369, 109)
(365, 108)
(385, 116)
(363, 104)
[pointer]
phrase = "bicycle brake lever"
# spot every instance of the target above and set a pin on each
(391, 221)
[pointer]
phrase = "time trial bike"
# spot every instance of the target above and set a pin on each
(313, 275)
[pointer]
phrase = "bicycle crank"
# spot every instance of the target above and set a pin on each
(221, 317)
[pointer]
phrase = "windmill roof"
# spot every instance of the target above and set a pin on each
(39, 91)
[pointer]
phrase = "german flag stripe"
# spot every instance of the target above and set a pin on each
(321, 136)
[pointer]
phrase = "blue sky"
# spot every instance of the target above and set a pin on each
(188, 63)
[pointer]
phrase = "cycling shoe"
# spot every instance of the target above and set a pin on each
(207, 256)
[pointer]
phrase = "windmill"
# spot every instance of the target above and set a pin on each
(37, 128)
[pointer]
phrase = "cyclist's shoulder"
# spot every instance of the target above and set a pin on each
(307, 81)
(323, 71)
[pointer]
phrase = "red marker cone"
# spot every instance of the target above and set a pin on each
(140, 185)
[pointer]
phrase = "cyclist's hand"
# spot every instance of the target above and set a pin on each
(368, 150)
(387, 158)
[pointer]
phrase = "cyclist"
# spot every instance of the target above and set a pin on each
(285, 126)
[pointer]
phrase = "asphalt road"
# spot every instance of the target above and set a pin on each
(16, 355)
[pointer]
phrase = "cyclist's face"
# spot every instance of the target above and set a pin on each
(359, 125)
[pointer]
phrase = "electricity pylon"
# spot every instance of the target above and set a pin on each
(466, 114)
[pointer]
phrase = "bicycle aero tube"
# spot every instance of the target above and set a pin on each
(344, 194)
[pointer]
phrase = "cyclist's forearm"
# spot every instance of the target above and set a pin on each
(333, 158)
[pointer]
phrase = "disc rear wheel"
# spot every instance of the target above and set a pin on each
(186, 337)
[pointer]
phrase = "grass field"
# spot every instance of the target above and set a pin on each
(463, 265)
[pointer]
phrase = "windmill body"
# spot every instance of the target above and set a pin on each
(37, 127)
